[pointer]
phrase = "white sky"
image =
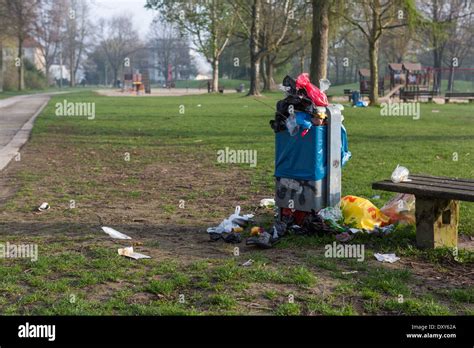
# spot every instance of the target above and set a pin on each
(141, 18)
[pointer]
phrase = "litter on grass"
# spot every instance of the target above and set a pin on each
(234, 221)
(114, 233)
(248, 263)
(267, 203)
(43, 207)
(128, 252)
(391, 258)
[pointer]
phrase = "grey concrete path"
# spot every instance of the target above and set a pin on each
(17, 115)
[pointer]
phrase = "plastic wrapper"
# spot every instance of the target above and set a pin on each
(400, 208)
(361, 213)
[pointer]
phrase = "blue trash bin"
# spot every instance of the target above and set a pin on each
(355, 97)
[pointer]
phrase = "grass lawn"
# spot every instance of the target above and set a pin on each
(147, 170)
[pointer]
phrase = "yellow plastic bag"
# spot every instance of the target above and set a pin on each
(361, 213)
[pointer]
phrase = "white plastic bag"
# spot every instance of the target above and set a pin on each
(400, 174)
(233, 221)
(291, 125)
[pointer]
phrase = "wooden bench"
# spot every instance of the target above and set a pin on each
(460, 95)
(436, 206)
(348, 93)
(416, 94)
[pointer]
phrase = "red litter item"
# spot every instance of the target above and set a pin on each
(314, 93)
(297, 214)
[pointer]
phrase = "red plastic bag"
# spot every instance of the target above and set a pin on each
(313, 92)
(400, 208)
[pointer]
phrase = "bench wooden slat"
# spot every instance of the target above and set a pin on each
(447, 186)
(459, 94)
(469, 186)
(425, 190)
(441, 178)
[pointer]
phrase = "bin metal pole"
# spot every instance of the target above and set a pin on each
(333, 179)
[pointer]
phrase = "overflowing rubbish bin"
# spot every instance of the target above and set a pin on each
(310, 148)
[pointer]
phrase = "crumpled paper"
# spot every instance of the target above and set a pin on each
(391, 258)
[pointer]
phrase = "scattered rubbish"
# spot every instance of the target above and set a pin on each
(237, 229)
(375, 197)
(233, 221)
(332, 217)
(199, 105)
(278, 229)
(248, 263)
(267, 202)
(361, 104)
(263, 240)
(255, 231)
(361, 213)
(128, 252)
(344, 237)
(435, 111)
(43, 207)
(400, 208)
(232, 237)
(391, 258)
(385, 229)
(400, 174)
(114, 233)
(355, 230)
(331, 213)
(350, 272)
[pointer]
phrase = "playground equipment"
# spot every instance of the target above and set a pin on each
(364, 82)
(135, 81)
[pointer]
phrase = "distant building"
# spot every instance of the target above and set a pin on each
(203, 77)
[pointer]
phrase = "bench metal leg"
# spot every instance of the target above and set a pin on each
(436, 223)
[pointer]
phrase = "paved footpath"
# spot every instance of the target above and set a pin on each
(17, 115)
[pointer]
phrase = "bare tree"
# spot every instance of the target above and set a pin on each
(209, 23)
(266, 24)
(119, 40)
(48, 30)
(20, 16)
(373, 18)
(168, 46)
(77, 29)
(439, 17)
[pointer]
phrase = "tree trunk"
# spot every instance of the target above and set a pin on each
(374, 72)
(72, 74)
(269, 83)
(451, 78)
(21, 70)
(255, 57)
(319, 40)
(1, 67)
(215, 75)
(115, 74)
(437, 60)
